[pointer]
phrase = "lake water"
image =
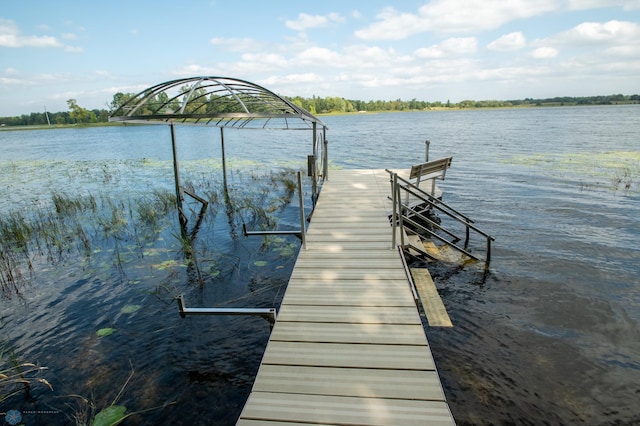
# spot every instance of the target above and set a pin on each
(549, 336)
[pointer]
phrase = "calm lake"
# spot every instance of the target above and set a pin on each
(550, 335)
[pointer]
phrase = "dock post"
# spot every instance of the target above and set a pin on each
(394, 217)
(176, 175)
(301, 201)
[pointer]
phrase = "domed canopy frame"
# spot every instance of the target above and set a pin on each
(217, 101)
(222, 102)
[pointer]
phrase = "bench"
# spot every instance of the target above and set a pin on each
(436, 169)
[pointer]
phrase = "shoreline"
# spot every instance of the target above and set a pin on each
(327, 114)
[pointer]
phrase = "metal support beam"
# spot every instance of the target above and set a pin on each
(176, 175)
(224, 164)
(267, 313)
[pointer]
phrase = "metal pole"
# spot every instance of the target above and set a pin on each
(224, 163)
(426, 155)
(394, 217)
(325, 160)
(176, 174)
(301, 201)
(314, 172)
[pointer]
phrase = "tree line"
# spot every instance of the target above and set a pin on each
(317, 105)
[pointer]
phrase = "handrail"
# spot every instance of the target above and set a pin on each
(402, 212)
(425, 196)
(300, 234)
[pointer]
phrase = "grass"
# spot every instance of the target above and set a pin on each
(16, 376)
(79, 225)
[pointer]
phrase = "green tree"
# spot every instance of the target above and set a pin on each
(80, 115)
(119, 99)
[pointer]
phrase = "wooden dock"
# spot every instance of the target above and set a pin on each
(348, 346)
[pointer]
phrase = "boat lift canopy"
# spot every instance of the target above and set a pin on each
(223, 102)
(217, 101)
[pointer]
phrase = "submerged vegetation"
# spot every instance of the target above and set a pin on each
(613, 170)
(86, 226)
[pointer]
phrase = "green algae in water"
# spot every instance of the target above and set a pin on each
(103, 332)
(129, 309)
(613, 169)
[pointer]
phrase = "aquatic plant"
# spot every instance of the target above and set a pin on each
(17, 376)
(85, 224)
(622, 178)
(88, 414)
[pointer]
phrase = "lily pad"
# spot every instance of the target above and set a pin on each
(129, 309)
(105, 332)
(169, 264)
(110, 416)
(286, 251)
(260, 263)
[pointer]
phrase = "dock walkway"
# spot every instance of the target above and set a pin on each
(348, 346)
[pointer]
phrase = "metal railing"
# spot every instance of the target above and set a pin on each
(406, 214)
(300, 234)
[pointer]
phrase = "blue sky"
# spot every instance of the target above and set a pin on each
(433, 50)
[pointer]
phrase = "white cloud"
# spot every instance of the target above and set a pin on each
(319, 55)
(266, 60)
(469, 16)
(293, 79)
(362, 56)
(592, 4)
(10, 36)
(544, 53)
(449, 47)
(508, 42)
(612, 38)
(453, 17)
(392, 25)
(306, 21)
(73, 49)
(596, 32)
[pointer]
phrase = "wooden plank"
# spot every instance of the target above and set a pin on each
(321, 409)
(432, 304)
(348, 297)
(342, 263)
(355, 253)
(344, 381)
(354, 300)
(352, 273)
(362, 315)
(349, 355)
(383, 334)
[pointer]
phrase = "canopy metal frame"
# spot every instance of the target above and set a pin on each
(223, 102)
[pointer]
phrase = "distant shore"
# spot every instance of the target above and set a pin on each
(456, 107)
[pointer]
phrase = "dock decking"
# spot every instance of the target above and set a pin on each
(348, 346)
